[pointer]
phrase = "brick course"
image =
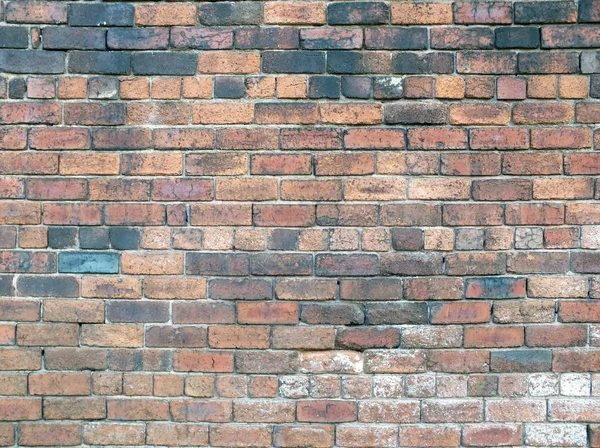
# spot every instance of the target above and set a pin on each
(292, 223)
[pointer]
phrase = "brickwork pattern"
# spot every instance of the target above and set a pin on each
(349, 224)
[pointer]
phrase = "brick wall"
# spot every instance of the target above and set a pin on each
(300, 223)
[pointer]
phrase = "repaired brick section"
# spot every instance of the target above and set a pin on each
(300, 223)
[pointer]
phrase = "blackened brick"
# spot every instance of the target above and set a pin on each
(93, 238)
(137, 38)
(88, 262)
(332, 313)
(357, 13)
(138, 312)
(122, 238)
(156, 63)
(357, 87)
(546, 62)
(595, 86)
(283, 239)
(282, 264)
(415, 113)
(388, 87)
(47, 286)
(545, 12)
(407, 239)
(517, 37)
(229, 87)
(396, 313)
(324, 87)
(267, 38)
(590, 62)
(409, 38)
(329, 265)
(202, 38)
(331, 38)
(217, 264)
(521, 361)
(95, 114)
(100, 14)
(32, 61)
(293, 62)
(64, 38)
(413, 63)
(462, 38)
(103, 88)
(589, 11)
(13, 37)
(355, 62)
(6, 286)
(230, 13)
(17, 88)
(101, 62)
(62, 237)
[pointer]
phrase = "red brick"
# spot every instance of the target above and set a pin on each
(50, 434)
(374, 138)
(323, 411)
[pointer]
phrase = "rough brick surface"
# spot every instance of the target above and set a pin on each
(300, 223)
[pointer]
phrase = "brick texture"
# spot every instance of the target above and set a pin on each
(300, 223)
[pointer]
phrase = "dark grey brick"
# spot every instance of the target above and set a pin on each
(588, 11)
(62, 237)
(13, 37)
(544, 12)
(521, 361)
(590, 62)
(229, 87)
(17, 88)
(357, 62)
(539, 62)
(396, 313)
(65, 38)
(93, 238)
(103, 88)
(415, 113)
(388, 87)
(282, 264)
(141, 312)
(357, 13)
(100, 14)
(595, 86)
(6, 286)
(88, 262)
(324, 87)
(138, 38)
(407, 239)
(197, 263)
(482, 386)
(32, 61)
(123, 238)
(101, 62)
(283, 239)
(332, 314)
(357, 87)
(517, 37)
(396, 38)
(230, 13)
(417, 63)
(47, 286)
(156, 63)
(293, 62)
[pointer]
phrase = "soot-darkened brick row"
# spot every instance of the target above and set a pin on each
(300, 223)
